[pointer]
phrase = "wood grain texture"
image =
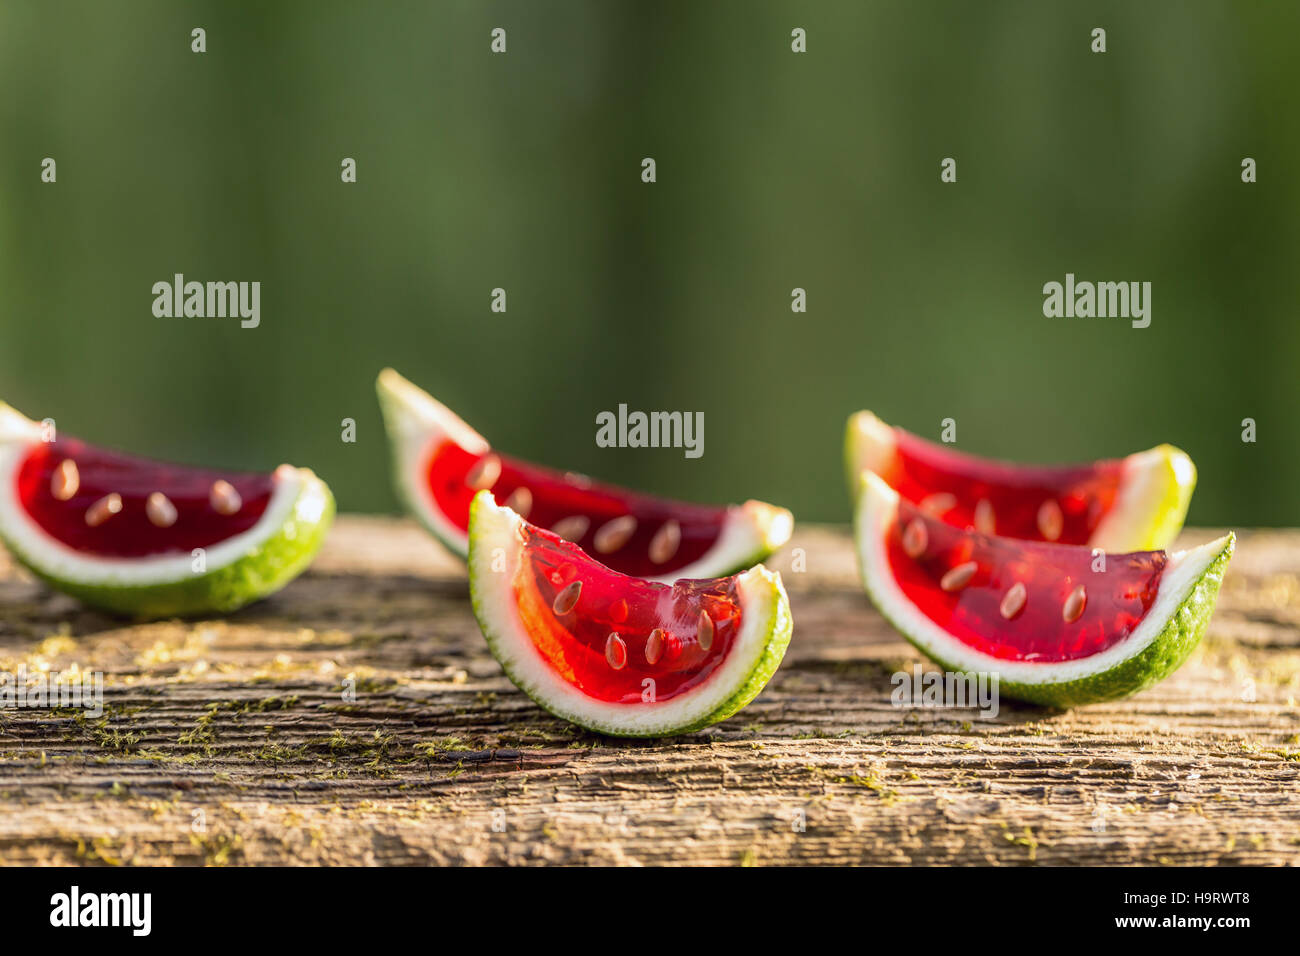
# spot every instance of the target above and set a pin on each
(231, 741)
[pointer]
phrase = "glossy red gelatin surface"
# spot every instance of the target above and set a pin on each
(1014, 493)
(556, 496)
(1118, 598)
(577, 644)
(130, 533)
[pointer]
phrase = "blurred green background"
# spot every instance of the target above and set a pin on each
(775, 170)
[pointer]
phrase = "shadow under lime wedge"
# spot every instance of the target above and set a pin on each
(148, 539)
(616, 654)
(1129, 504)
(1059, 625)
(439, 462)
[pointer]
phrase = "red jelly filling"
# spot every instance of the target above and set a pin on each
(646, 546)
(616, 638)
(74, 503)
(1060, 504)
(1051, 620)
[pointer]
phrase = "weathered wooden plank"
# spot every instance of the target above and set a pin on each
(440, 760)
